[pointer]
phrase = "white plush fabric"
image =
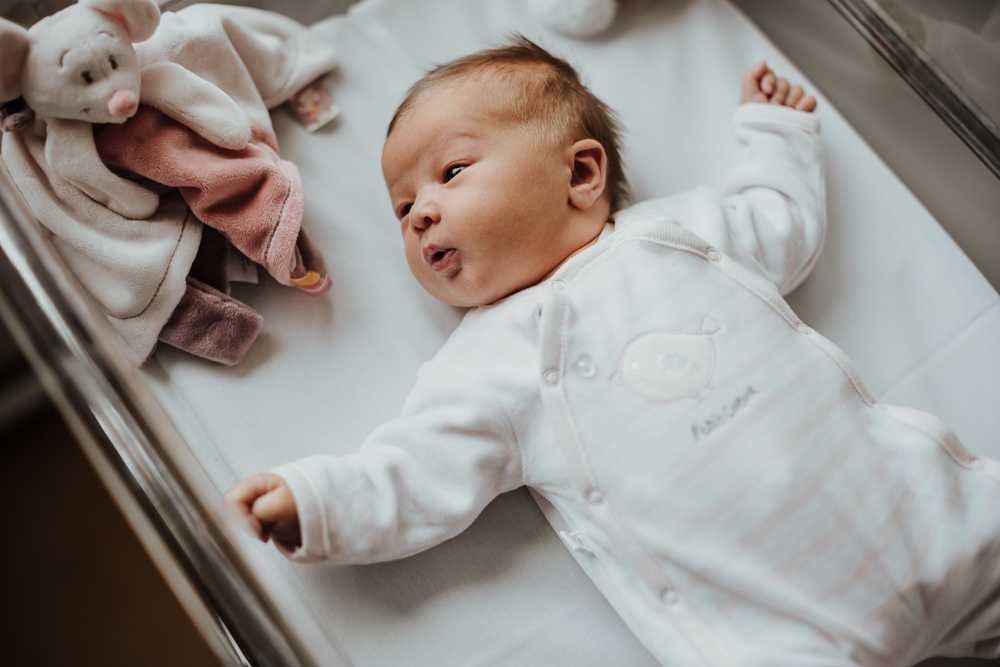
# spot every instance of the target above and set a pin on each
(215, 68)
(575, 18)
(890, 288)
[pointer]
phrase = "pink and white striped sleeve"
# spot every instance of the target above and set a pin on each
(416, 481)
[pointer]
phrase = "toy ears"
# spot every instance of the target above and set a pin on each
(139, 17)
(13, 51)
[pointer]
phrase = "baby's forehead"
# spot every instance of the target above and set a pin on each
(486, 91)
(489, 101)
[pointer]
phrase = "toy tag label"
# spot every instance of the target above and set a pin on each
(242, 269)
(314, 106)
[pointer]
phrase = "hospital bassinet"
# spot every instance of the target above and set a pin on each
(892, 289)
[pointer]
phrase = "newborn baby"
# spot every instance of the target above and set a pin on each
(723, 474)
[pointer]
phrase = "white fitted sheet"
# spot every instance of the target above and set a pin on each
(891, 289)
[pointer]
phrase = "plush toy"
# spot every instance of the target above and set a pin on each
(182, 104)
(575, 18)
(79, 67)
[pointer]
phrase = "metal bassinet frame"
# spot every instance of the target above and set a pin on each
(168, 498)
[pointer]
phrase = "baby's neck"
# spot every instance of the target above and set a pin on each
(571, 255)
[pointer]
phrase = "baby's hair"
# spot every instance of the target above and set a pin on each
(546, 92)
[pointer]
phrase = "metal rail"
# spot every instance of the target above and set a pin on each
(979, 132)
(108, 405)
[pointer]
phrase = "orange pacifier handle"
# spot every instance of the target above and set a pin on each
(308, 280)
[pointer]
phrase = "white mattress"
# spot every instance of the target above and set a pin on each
(891, 289)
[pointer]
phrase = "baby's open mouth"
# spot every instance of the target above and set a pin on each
(441, 260)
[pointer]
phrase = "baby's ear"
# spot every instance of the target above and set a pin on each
(139, 17)
(13, 50)
(589, 170)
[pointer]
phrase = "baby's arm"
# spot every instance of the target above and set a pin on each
(415, 482)
(774, 192)
(761, 86)
(773, 210)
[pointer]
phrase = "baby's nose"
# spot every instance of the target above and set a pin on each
(423, 217)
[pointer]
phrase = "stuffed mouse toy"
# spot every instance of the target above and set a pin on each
(113, 112)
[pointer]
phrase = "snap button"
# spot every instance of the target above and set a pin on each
(594, 497)
(669, 596)
(619, 236)
(558, 285)
(551, 376)
(713, 255)
(881, 408)
(977, 464)
(584, 366)
(574, 541)
(803, 329)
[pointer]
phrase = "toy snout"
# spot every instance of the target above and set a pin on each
(123, 104)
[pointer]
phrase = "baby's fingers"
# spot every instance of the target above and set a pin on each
(781, 89)
(807, 103)
(277, 512)
(751, 88)
(794, 95)
(768, 82)
(242, 496)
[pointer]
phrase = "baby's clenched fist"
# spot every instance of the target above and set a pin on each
(761, 86)
(266, 504)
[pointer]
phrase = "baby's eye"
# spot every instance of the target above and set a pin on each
(86, 77)
(114, 63)
(405, 210)
(452, 172)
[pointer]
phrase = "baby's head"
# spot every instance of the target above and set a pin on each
(500, 165)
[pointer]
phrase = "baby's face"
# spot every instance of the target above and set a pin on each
(483, 205)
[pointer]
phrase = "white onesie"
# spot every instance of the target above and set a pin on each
(717, 467)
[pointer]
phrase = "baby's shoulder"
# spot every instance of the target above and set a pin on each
(677, 207)
(488, 334)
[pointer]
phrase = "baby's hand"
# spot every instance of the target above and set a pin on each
(268, 507)
(760, 85)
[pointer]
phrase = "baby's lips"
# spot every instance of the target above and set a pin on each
(428, 252)
(441, 260)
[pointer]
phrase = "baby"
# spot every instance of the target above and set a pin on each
(720, 470)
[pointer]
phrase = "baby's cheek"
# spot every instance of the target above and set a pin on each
(413, 258)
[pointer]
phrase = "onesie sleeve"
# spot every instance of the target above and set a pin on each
(416, 481)
(773, 196)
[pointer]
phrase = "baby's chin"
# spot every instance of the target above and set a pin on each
(454, 293)
(462, 301)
